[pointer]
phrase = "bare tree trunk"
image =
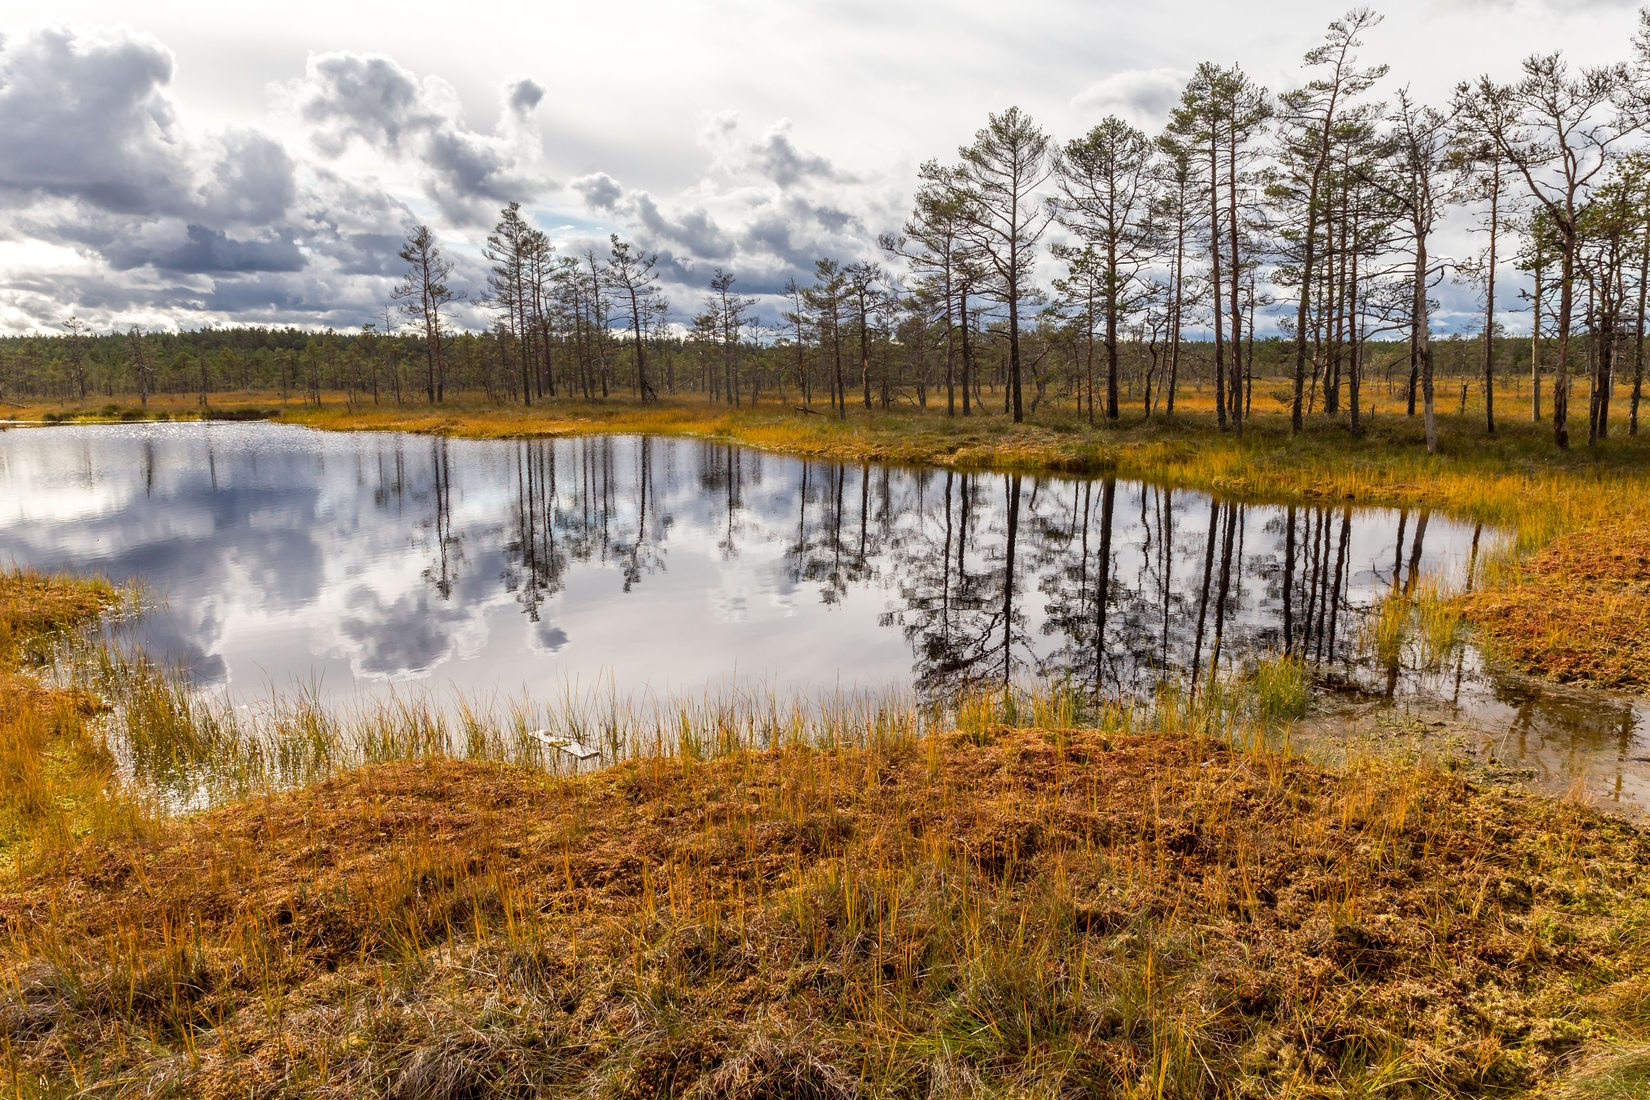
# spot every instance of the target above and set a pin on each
(1489, 303)
(1638, 338)
(1111, 340)
(1214, 279)
(1561, 369)
(1423, 340)
(1175, 315)
(1232, 237)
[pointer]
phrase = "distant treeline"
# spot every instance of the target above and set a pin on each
(369, 366)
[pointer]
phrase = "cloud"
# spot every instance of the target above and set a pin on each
(1142, 96)
(253, 182)
(168, 220)
(163, 219)
(132, 216)
(350, 98)
(524, 95)
(778, 157)
(600, 190)
(694, 230)
(365, 97)
(87, 118)
(97, 159)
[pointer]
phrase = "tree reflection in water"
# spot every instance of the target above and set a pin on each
(620, 550)
(363, 562)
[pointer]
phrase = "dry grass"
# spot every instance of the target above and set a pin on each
(35, 609)
(1579, 609)
(998, 911)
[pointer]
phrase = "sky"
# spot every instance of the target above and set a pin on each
(169, 169)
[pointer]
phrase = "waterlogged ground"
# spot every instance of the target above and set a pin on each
(355, 565)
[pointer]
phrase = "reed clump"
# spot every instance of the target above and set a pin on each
(1282, 688)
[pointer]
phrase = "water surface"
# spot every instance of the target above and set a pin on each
(356, 564)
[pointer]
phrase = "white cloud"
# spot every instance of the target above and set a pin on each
(268, 160)
(1141, 96)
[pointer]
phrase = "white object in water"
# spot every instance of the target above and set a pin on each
(566, 744)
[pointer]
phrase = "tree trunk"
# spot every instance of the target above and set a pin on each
(1214, 278)
(1111, 339)
(1489, 304)
(1423, 338)
(1232, 236)
(1561, 369)
(1638, 336)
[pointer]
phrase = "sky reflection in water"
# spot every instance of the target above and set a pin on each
(286, 556)
(358, 564)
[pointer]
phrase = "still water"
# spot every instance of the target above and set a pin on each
(282, 556)
(352, 565)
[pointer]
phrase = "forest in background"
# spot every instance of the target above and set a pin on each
(1115, 268)
(220, 365)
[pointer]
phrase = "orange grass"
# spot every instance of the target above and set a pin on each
(1004, 912)
(1579, 609)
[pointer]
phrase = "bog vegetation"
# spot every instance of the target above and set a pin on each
(1028, 894)
(1019, 893)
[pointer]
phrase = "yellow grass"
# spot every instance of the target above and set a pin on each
(56, 774)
